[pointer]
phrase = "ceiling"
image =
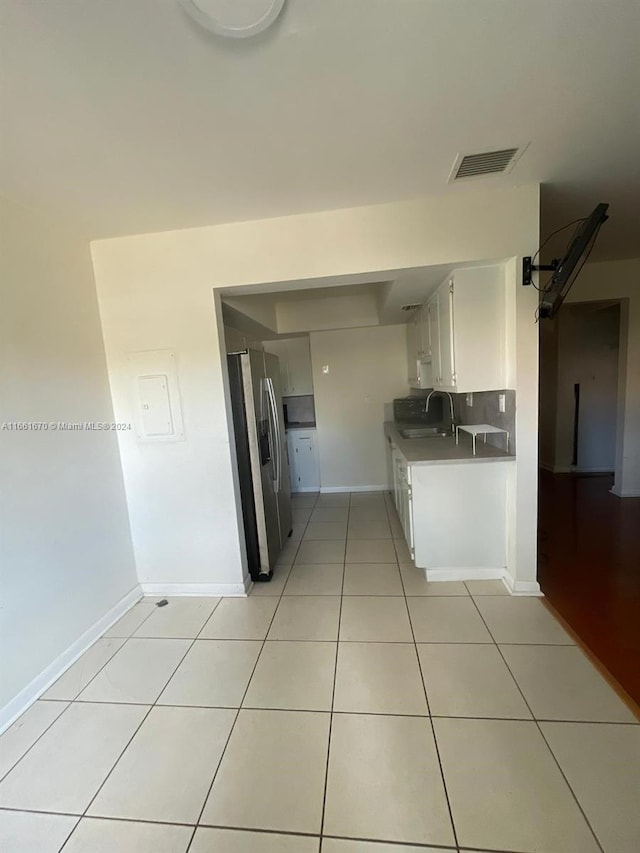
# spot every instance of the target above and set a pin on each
(122, 117)
(269, 310)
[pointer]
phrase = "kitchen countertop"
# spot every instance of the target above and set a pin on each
(300, 425)
(436, 451)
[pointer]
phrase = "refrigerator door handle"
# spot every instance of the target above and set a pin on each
(276, 429)
(274, 433)
(276, 420)
(266, 417)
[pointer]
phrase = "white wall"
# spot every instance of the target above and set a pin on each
(621, 280)
(588, 355)
(332, 312)
(66, 550)
(522, 478)
(155, 292)
(259, 310)
(367, 368)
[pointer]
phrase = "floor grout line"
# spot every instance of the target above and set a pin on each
(332, 711)
(433, 731)
(97, 817)
(138, 727)
(40, 736)
(235, 707)
(108, 661)
(266, 831)
(537, 724)
(240, 708)
(71, 701)
(333, 689)
(594, 660)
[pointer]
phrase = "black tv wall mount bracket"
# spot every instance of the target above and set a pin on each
(528, 269)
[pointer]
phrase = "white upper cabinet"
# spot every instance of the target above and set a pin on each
(462, 338)
(414, 348)
(299, 364)
(425, 317)
(433, 322)
(446, 338)
(471, 314)
(295, 365)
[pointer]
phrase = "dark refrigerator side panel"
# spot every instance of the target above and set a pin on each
(244, 464)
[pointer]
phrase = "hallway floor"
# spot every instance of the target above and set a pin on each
(345, 707)
(589, 568)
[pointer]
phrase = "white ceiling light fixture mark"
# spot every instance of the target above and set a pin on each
(234, 18)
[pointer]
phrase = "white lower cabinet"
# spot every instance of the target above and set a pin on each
(454, 515)
(403, 496)
(303, 460)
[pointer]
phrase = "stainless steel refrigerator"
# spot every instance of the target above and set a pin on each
(261, 450)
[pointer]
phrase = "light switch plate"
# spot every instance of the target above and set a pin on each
(502, 400)
(470, 399)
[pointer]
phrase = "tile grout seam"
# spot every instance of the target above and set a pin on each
(432, 727)
(71, 701)
(138, 727)
(537, 724)
(246, 690)
(333, 689)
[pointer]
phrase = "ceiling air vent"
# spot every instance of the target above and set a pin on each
(487, 163)
(410, 307)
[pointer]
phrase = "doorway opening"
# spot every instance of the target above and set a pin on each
(579, 389)
(589, 539)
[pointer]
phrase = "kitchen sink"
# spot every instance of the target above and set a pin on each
(423, 432)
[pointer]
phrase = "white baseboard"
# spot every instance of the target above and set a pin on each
(464, 573)
(299, 491)
(484, 574)
(224, 589)
(625, 493)
(37, 686)
(522, 587)
(329, 490)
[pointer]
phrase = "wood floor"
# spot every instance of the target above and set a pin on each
(589, 568)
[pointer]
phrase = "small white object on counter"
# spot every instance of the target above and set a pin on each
(480, 429)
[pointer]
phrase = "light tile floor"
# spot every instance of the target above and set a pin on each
(346, 707)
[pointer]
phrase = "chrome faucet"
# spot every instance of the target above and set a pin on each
(426, 408)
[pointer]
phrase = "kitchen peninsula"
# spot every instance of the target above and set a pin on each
(452, 504)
